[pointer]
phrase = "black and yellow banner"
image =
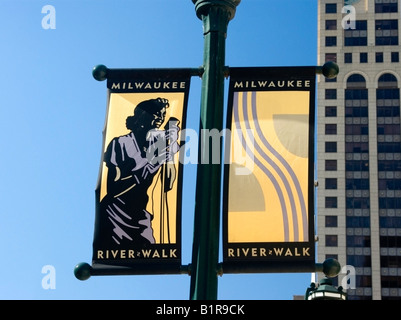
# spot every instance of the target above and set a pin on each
(268, 207)
(138, 194)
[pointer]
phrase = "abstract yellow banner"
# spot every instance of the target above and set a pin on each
(268, 189)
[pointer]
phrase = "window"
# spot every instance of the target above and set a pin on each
(387, 32)
(330, 165)
(357, 147)
(358, 222)
(386, 7)
(357, 184)
(390, 241)
(331, 256)
(357, 83)
(356, 94)
(357, 165)
(363, 57)
(388, 100)
(357, 203)
(331, 183)
(330, 221)
(390, 222)
(348, 57)
(386, 128)
(388, 80)
(331, 8)
(393, 94)
(389, 203)
(331, 240)
(331, 146)
(379, 57)
(356, 129)
(389, 165)
(388, 105)
(389, 147)
(331, 128)
(395, 57)
(358, 241)
(331, 41)
(331, 202)
(331, 57)
(357, 36)
(330, 94)
(358, 112)
(331, 24)
(331, 111)
(359, 261)
(389, 184)
(391, 282)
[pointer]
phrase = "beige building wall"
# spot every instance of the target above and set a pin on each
(371, 71)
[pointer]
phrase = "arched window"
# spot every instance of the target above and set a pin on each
(387, 89)
(356, 131)
(357, 196)
(356, 88)
(387, 80)
(356, 81)
(388, 139)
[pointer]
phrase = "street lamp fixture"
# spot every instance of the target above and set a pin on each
(325, 289)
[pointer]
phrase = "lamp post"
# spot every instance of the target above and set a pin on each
(215, 15)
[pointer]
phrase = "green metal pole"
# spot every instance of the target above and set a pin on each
(215, 15)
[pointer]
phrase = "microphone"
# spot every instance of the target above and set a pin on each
(172, 146)
(172, 129)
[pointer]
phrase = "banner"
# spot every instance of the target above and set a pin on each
(138, 194)
(268, 207)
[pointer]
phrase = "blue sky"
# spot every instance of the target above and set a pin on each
(52, 117)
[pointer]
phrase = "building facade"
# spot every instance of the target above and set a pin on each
(358, 197)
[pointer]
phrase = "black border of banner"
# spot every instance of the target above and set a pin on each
(294, 262)
(144, 266)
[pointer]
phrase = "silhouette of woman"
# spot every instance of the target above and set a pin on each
(132, 161)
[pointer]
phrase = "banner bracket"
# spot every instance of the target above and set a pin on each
(330, 70)
(84, 271)
(101, 72)
(330, 267)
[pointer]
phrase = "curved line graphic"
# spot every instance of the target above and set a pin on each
(265, 170)
(286, 165)
(274, 166)
(272, 163)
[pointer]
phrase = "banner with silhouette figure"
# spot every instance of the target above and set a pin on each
(268, 207)
(138, 194)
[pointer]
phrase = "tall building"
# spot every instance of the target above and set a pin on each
(359, 146)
